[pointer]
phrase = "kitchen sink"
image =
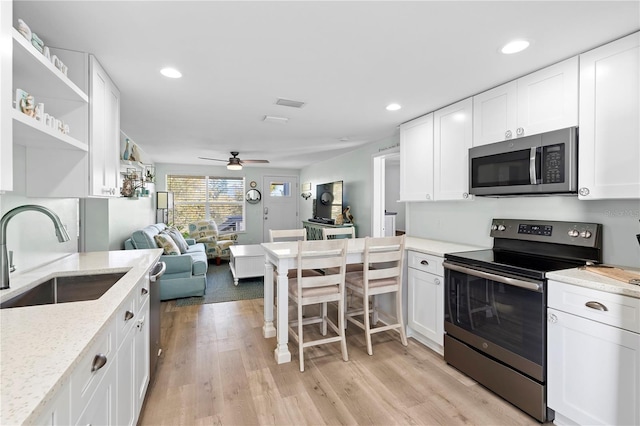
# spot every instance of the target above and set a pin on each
(64, 289)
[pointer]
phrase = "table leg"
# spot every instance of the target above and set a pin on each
(281, 352)
(268, 330)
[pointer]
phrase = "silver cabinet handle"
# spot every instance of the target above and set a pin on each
(128, 315)
(424, 262)
(583, 191)
(596, 305)
(99, 361)
(508, 134)
(428, 197)
(520, 131)
(436, 281)
(144, 291)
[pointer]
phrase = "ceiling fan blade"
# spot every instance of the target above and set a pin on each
(254, 161)
(214, 159)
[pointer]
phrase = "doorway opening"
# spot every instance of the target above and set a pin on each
(386, 193)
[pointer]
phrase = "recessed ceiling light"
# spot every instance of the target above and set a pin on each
(171, 72)
(393, 107)
(514, 46)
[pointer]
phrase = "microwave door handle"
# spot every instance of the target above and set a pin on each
(533, 177)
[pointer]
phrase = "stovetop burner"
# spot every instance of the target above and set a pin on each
(532, 248)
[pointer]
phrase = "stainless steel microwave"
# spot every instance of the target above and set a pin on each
(534, 165)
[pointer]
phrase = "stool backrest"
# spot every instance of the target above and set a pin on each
(344, 232)
(327, 255)
(384, 258)
(276, 235)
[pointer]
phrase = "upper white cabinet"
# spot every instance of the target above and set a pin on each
(536, 103)
(416, 159)
(452, 127)
(104, 165)
(610, 121)
(6, 97)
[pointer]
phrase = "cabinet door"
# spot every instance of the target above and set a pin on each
(609, 123)
(101, 408)
(58, 410)
(594, 371)
(452, 139)
(105, 132)
(494, 114)
(425, 304)
(416, 159)
(126, 407)
(6, 94)
(142, 356)
(548, 99)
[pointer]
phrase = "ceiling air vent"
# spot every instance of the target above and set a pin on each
(289, 103)
(274, 119)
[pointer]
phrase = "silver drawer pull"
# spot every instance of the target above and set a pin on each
(596, 305)
(424, 262)
(128, 315)
(99, 361)
(144, 291)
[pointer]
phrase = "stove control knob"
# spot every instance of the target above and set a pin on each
(494, 227)
(501, 228)
(585, 234)
(573, 233)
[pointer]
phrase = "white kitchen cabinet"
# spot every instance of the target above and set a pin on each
(453, 134)
(542, 101)
(609, 121)
(425, 299)
(104, 164)
(416, 159)
(389, 225)
(6, 96)
(593, 352)
(142, 358)
(101, 408)
(58, 410)
(63, 98)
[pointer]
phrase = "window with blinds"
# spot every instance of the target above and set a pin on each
(220, 199)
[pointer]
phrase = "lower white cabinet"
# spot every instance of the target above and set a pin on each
(141, 362)
(58, 410)
(593, 352)
(101, 407)
(425, 299)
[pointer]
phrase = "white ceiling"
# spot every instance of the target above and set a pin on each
(346, 60)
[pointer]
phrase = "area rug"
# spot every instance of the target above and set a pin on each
(220, 288)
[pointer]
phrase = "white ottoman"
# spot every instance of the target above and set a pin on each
(246, 261)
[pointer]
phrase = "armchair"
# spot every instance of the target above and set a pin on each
(216, 244)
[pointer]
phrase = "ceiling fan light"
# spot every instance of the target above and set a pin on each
(231, 166)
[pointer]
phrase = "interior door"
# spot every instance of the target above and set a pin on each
(280, 204)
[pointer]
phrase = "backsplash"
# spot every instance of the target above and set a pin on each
(31, 235)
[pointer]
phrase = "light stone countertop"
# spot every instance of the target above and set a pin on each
(583, 278)
(437, 247)
(40, 345)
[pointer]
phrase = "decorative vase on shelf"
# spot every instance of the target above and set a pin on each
(127, 150)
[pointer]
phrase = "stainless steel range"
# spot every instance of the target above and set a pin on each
(495, 305)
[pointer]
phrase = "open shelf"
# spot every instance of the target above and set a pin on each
(29, 132)
(35, 74)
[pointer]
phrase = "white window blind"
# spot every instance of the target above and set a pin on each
(220, 199)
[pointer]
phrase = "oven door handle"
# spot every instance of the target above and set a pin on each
(529, 285)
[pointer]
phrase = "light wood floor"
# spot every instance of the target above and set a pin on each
(216, 368)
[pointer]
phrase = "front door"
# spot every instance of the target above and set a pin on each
(280, 204)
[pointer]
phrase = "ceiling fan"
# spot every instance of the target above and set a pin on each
(235, 163)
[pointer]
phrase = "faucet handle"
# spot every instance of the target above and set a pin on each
(12, 267)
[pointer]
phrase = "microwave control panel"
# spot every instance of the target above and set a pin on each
(553, 163)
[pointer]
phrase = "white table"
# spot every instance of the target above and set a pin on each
(246, 261)
(283, 256)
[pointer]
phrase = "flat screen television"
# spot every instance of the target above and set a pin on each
(329, 200)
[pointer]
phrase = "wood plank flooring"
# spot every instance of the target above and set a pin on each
(217, 369)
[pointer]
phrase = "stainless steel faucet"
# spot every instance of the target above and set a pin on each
(61, 233)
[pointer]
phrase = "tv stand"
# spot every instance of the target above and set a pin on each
(314, 228)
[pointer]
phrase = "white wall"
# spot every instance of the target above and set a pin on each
(254, 218)
(469, 221)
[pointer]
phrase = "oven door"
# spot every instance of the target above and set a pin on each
(501, 316)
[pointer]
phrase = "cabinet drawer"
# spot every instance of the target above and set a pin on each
(608, 308)
(425, 262)
(125, 317)
(84, 381)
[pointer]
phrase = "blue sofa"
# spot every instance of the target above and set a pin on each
(186, 274)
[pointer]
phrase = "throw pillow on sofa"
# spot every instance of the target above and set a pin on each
(166, 243)
(177, 238)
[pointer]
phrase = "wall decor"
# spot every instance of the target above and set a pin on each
(253, 196)
(306, 190)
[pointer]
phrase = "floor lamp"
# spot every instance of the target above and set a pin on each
(164, 203)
